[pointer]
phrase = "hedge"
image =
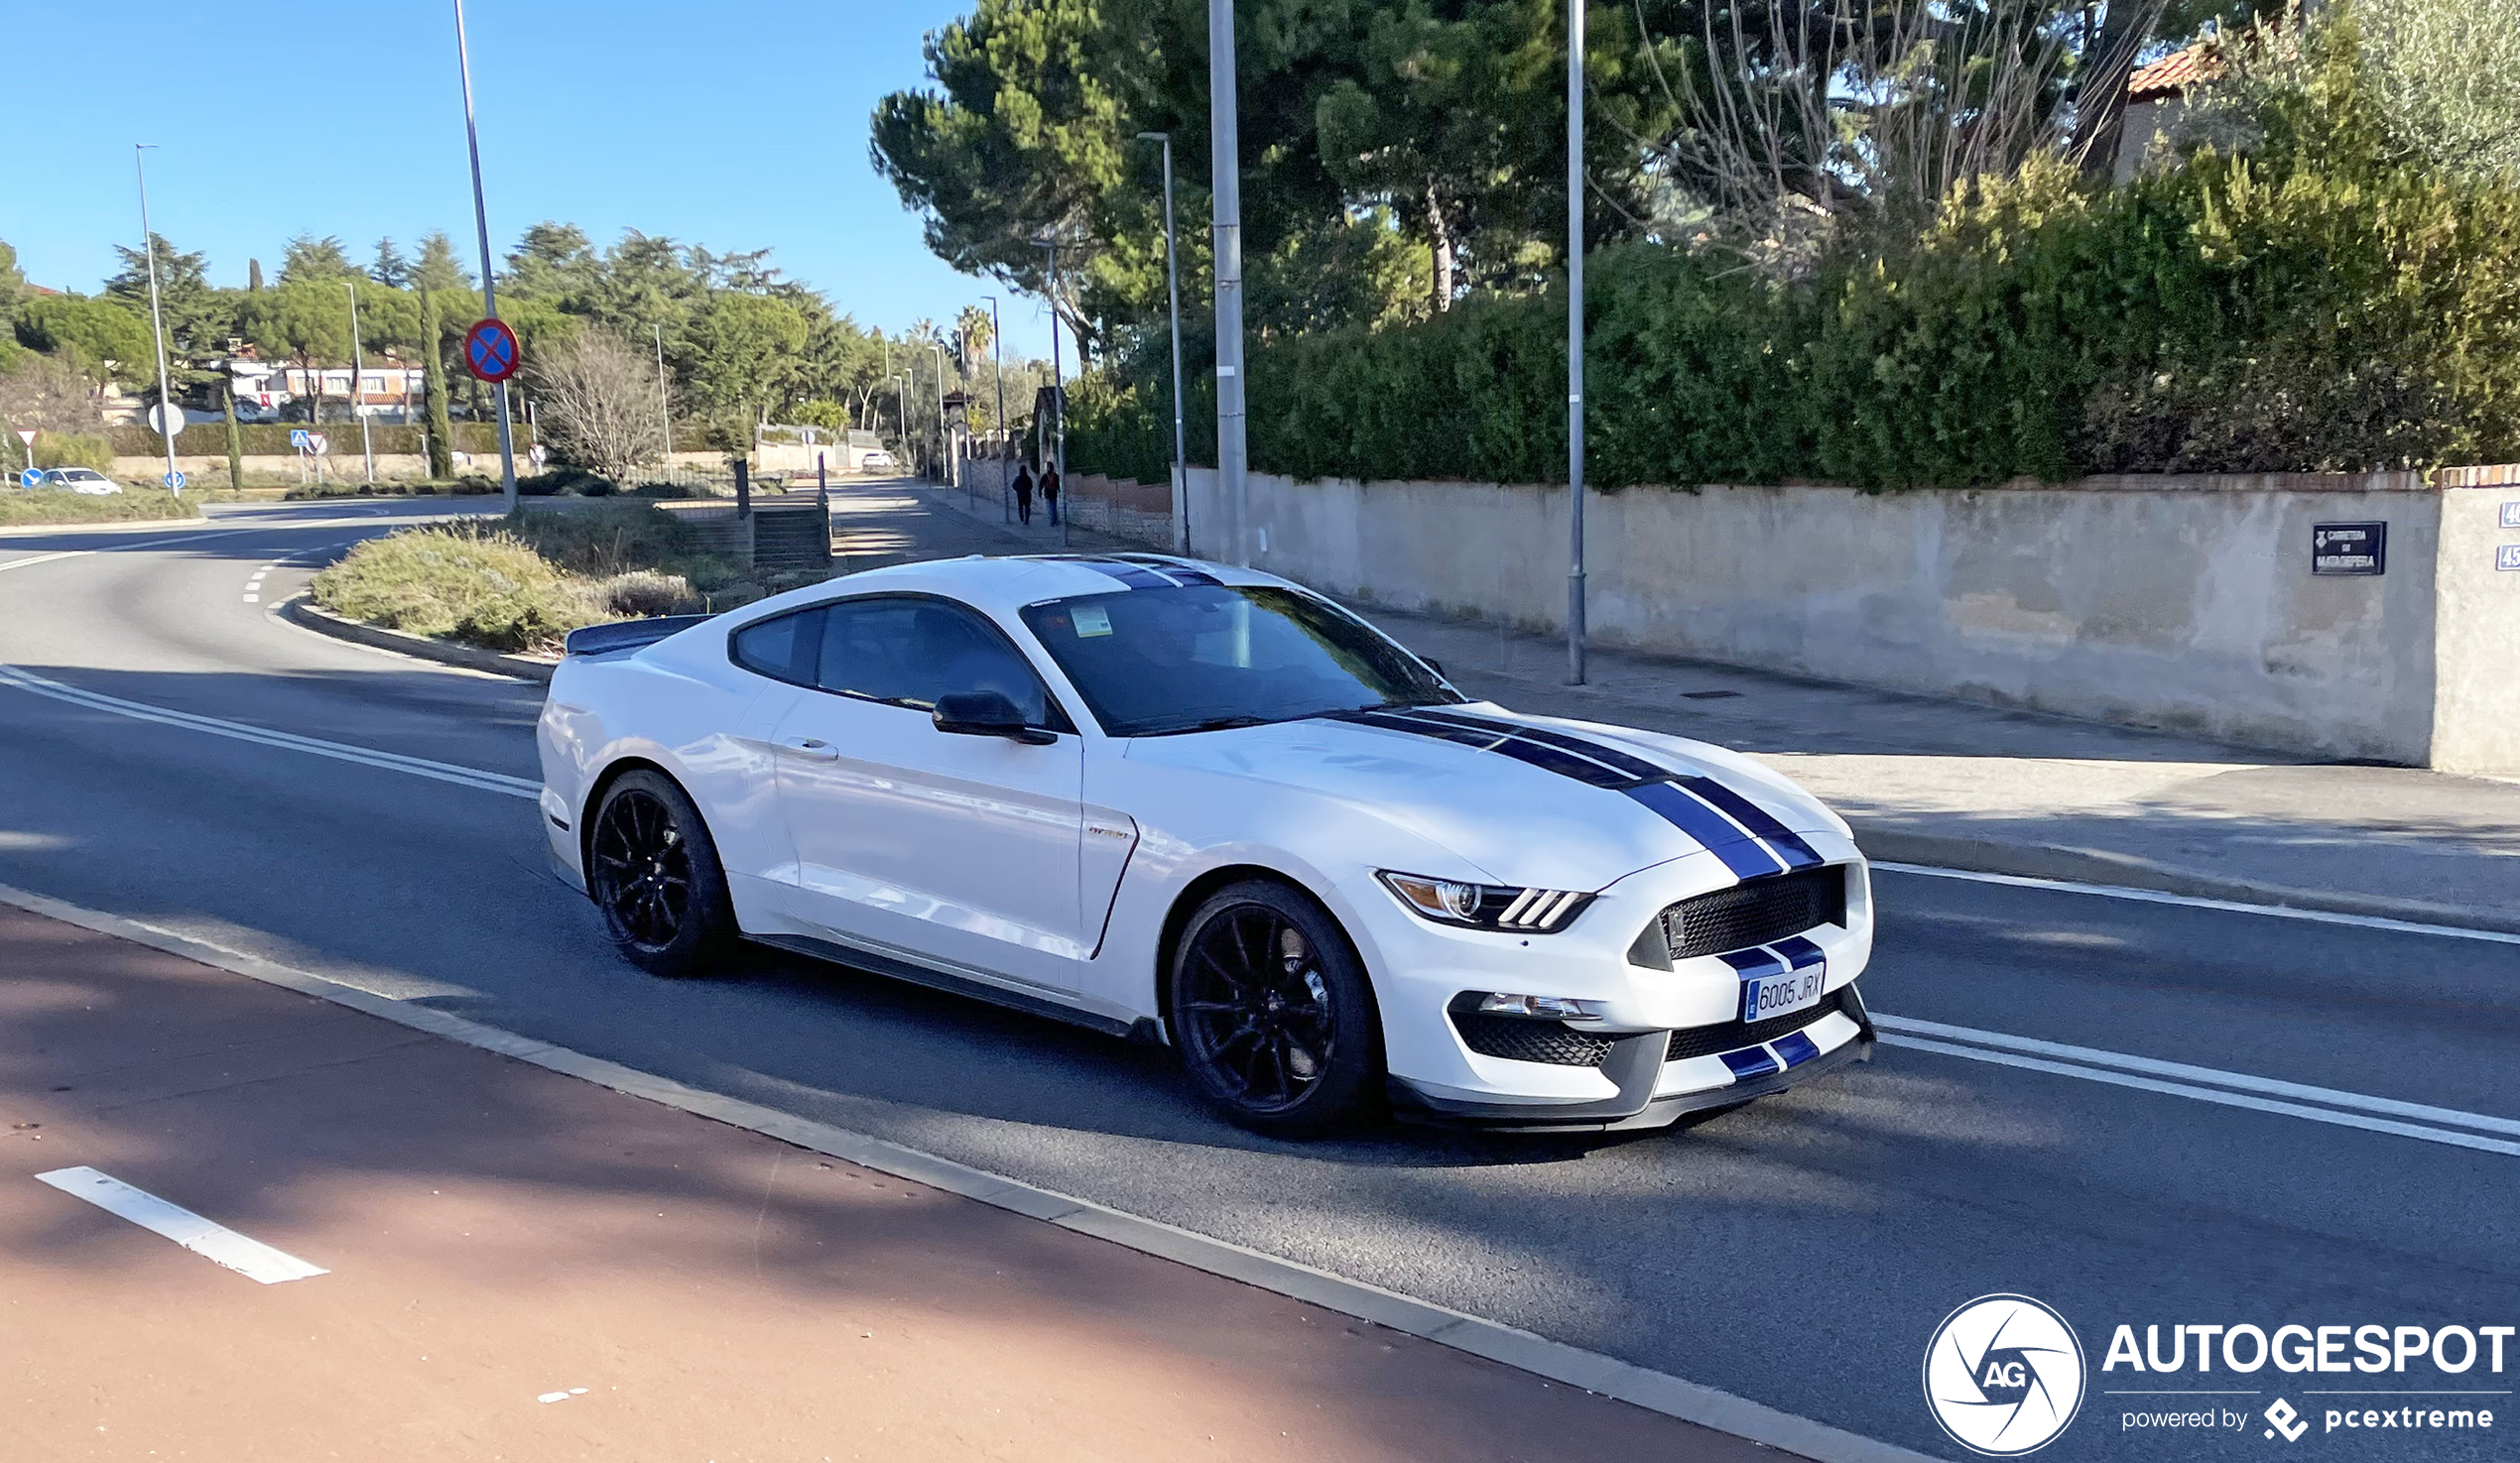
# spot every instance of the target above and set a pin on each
(271, 439)
(2241, 316)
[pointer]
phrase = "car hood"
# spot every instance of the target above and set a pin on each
(1525, 800)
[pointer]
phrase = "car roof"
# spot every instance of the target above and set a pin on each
(1004, 584)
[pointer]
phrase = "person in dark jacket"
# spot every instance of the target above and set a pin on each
(1024, 493)
(1049, 491)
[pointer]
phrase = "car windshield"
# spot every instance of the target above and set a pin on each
(1202, 657)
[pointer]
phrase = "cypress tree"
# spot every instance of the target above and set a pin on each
(432, 364)
(235, 439)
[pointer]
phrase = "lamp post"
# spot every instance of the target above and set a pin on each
(167, 423)
(1173, 281)
(1058, 391)
(997, 362)
(663, 404)
(1575, 341)
(944, 469)
(490, 288)
(358, 378)
(1233, 449)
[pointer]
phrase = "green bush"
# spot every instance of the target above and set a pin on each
(461, 582)
(601, 540)
(73, 450)
(21, 507)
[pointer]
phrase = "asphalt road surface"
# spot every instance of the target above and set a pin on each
(1800, 1252)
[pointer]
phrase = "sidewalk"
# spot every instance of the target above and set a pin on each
(521, 1264)
(1974, 786)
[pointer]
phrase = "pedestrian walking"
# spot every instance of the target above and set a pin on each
(1049, 491)
(1023, 493)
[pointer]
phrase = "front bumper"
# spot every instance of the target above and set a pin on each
(1420, 969)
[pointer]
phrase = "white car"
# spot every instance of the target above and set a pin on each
(85, 480)
(1202, 806)
(874, 459)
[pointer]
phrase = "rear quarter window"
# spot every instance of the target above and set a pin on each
(783, 648)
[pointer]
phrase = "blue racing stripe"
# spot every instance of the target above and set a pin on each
(1798, 951)
(1127, 573)
(1488, 737)
(1636, 768)
(1755, 962)
(1750, 1061)
(1796, 1048)
(1789, 845)
(1745, 858)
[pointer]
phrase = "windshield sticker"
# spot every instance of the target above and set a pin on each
(1091, 620)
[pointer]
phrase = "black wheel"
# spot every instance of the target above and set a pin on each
(1272, 1012)
(654, 872)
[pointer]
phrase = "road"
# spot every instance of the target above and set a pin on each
(1799, 1252)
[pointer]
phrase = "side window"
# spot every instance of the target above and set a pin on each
(780, 648)
(909, 651)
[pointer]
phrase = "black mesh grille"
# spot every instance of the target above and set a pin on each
(1734, 1034)
(1524, 1038)
(1755, 911)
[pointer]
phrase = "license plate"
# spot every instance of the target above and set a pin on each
(1766, 996)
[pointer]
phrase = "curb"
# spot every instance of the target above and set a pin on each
(101, 525)
(2128, 871)
(1604, 1376)
(302, 613)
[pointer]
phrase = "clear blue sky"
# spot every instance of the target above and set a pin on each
(735, 124)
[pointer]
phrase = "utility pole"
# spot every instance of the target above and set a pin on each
(665, 404)
(1233, 451)
(1058, 393)
(945, 468)
(489, 290)
(997, 360)
(1173, 281)
(167, 423)
(359, 376)
(1575, 341)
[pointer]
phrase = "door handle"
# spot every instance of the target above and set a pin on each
(809, 747)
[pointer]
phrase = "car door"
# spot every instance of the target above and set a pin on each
(958, 850)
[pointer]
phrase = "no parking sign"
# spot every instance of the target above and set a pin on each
(489, 350)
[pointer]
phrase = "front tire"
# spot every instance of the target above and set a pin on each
(654, 872)
(1273, 1014)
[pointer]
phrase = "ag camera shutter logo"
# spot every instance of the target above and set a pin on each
(2005, 1376)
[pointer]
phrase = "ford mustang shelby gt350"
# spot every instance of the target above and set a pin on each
(1204, 806)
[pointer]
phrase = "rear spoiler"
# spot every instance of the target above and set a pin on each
(628, 635)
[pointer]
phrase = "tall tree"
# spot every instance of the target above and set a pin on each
(597, 404)
(432, 361)
(309, 260)
(438, 267)
(199, 318)
(305, 323)
(98, 337)
(744, 346)
(390, 269)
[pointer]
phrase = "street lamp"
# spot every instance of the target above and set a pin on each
(359, 376)
(489, 289)
(1172, 280)
(944, 469)
(664, 405)
(1233, 447)
(1575, 341)
(168, 422)
(997, 362)
(1058, 389)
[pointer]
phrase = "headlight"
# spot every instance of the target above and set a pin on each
(1487, 906)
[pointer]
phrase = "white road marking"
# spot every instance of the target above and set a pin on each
(250, 1258)
(2196, 902)
(253, 599)
(1893, 1036)
(418, 767)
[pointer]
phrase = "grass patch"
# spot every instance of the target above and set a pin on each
(23, 507)
(469, 486)
(522, 583)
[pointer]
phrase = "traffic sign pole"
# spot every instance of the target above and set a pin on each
(489, 285)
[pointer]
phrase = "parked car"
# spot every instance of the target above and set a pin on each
(87, 480)
(877, 458)
(1203, 807)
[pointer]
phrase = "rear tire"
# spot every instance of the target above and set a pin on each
(1272, 1012)
(653, 871)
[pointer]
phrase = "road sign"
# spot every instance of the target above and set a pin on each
(2349, 548)
(166, 423)
(489, 350)
(27, 437)
(298, 439)
(174, 480)
(30, 478)
(318, 444)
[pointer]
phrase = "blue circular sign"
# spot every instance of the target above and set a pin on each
(30, 477)
(489, 350)
(174, 480)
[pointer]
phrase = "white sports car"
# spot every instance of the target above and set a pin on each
(1204, 807)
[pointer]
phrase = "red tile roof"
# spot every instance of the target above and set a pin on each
(2172, 74)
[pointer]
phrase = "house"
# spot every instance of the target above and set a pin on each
(387, 389)
(2155, 95)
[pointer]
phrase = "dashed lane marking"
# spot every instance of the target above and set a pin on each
(250, 1258)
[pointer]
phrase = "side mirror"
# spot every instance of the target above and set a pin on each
(987, 714)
